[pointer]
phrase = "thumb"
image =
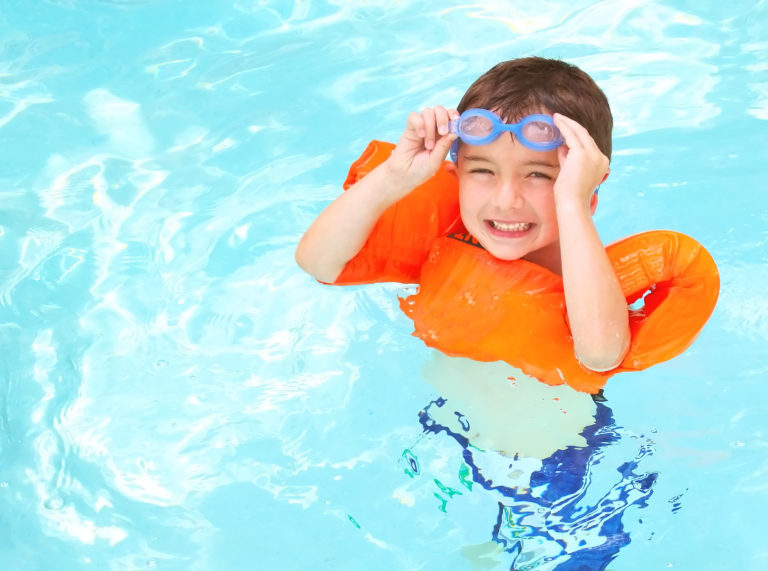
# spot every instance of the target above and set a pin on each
(443, 145)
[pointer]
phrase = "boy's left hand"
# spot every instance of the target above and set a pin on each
(583, 166)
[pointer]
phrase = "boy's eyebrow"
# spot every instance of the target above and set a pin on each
(476, 158)
(541, 164)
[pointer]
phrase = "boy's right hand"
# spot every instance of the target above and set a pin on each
(341, 230)
(422, 147)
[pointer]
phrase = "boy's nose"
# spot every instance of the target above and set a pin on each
(509, 195)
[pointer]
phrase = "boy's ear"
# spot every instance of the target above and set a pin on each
(593, 202)
(593, 198)
(450, 166)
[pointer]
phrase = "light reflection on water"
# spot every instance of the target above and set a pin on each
(176, 394)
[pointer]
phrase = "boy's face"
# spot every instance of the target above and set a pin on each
(506, 195)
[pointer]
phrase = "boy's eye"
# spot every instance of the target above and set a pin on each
(480, 171)
(543, 175)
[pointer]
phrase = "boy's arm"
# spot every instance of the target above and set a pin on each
(340, 231)
(597, 308)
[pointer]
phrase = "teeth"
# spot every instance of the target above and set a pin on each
(517, 227)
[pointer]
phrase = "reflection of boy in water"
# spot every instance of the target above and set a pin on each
(535, 445)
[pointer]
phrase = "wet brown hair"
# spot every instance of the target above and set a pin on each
(519, 87)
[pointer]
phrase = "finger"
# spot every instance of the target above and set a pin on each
(428, 116)
(443, 145)
(415, 125)
(574, 132)
(567, 129)
(442, 119)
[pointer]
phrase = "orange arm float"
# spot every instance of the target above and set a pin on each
(401, 239)
(682, 285)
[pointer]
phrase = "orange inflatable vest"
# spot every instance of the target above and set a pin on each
(473, 305)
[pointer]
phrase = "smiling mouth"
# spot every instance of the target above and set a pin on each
(510, 227)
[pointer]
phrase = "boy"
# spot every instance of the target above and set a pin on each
(517, 202)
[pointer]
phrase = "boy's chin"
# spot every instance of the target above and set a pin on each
(503, 252)
(502, 246)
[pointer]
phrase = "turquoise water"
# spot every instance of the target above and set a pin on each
(177, 394)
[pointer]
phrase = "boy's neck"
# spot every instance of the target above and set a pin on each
(547, 257)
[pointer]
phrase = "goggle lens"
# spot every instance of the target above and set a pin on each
(540, 132)
(476, 126)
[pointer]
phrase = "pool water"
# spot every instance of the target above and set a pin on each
(177, 394)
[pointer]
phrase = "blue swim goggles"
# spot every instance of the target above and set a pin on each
(480, 127)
